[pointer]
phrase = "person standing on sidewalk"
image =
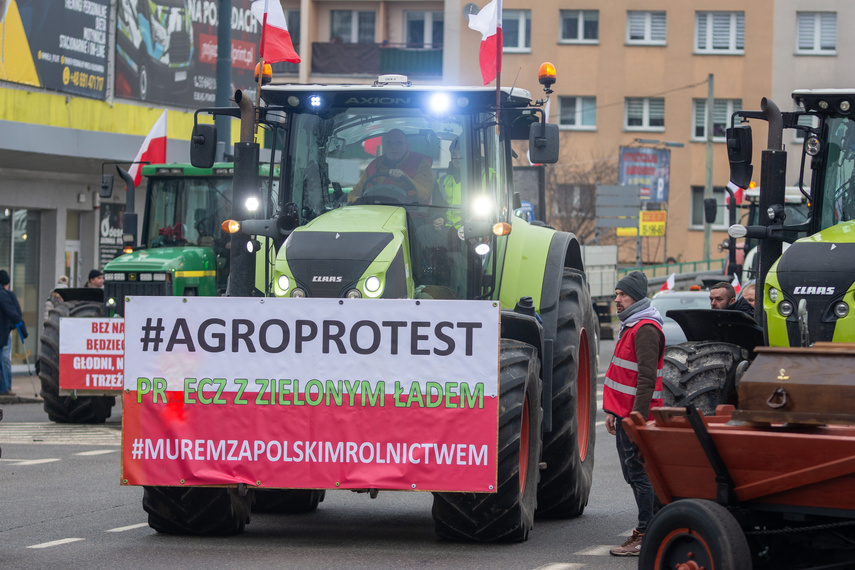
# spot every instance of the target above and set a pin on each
(10, 315)
(634, 384)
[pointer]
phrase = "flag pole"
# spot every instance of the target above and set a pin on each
(260, 68)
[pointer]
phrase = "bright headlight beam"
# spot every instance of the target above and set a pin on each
(482, 206)
(439, 103)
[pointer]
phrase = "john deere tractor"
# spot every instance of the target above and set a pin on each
(346, 229)
(805, 294)
(182, 251)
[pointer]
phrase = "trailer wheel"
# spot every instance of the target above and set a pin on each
(694, 533)
(701, 373)
(568, 450)
(68, 409)
(198, 511)
(508, 514)
(287, 501)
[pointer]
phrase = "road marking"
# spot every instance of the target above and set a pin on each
(594, 551)
(60, 434)
(124, 528)
(561, 566)
(20, 462)
(55, 543)
(98, 452)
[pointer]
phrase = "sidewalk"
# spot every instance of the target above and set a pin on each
(22, 386)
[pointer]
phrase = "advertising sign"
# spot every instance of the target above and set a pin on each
(110, 233)
(311, 393)
(652, 223)
(649, 168)
(59, 45)
(91, 354)
(166, 50)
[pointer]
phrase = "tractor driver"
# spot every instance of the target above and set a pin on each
(410, 171)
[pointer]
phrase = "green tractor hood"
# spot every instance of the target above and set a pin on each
(170, 259)
(338, 254)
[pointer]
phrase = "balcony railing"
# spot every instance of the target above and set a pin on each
(376, 59)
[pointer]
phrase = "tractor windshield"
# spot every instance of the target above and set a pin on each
(838, 188)
(187, 211)
(435, 168)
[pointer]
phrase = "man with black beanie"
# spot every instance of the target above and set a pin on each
(10, 315)
(634, 384)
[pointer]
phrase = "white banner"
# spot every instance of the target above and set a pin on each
(396, 342)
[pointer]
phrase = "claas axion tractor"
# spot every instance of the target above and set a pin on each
(342, 230)
(805, 294)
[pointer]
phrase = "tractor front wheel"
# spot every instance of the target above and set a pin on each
(694, 533)
(508, 514)
(701, 373)
(68, 409)
(208, 511)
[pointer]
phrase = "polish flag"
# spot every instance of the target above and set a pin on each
(735, 284)
(737, 193)
(669, 283)
(489, 22)
(275, 39)
(153, 149)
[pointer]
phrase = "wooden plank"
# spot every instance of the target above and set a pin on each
(631, 425)
(795, 479)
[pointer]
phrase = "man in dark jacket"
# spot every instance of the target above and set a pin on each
(634, 384)
(10, 315)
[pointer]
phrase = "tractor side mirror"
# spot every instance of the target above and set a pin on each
(739, 149)
(710, 210)
(543, 143)
(203, 145)
(106, 189)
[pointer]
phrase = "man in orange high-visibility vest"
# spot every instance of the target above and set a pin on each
(634, 384)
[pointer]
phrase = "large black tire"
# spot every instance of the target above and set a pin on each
(287, 501)
(207, 511)
(68, 409)
(701, 373)
(508, 514)
(568, 450)
(694, 531)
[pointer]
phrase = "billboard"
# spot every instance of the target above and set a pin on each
(55, 44)
(649, 168)
(166, 50)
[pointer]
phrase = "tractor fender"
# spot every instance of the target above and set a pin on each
(527, 328)
(733, 327)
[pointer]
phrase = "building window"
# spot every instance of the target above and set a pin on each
(516, 30)
(578, 113)
(722, 111)
(720, 222)
(816, 33)
(644, 114)
(720, 32)
(579, 27)
(352, 26)
(645, 28)
(423, 29)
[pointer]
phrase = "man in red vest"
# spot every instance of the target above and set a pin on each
(634, 384)
(410, 171)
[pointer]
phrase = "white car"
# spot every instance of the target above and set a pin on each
(667, 300)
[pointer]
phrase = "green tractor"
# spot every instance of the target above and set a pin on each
(343, 231)
(182, 251)
(806, 289)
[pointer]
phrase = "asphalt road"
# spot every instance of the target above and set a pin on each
(61, 506)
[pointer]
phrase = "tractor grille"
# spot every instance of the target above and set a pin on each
(179, 48)
(121, 289)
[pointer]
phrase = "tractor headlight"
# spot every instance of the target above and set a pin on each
(841, 309)
(298, 293)
(785, 308)
(373, 286)
(283, 282)
(353, 294)
(773, 294)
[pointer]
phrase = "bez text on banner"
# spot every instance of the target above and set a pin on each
(91, 354)
(311, 393)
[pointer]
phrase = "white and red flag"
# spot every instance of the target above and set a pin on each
(735, 283)
(153, 149)
(737, 193)
(669, 283)
(276, 42)
(489, 22)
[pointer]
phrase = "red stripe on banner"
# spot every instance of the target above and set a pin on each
(295, 444)
(88, 372)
